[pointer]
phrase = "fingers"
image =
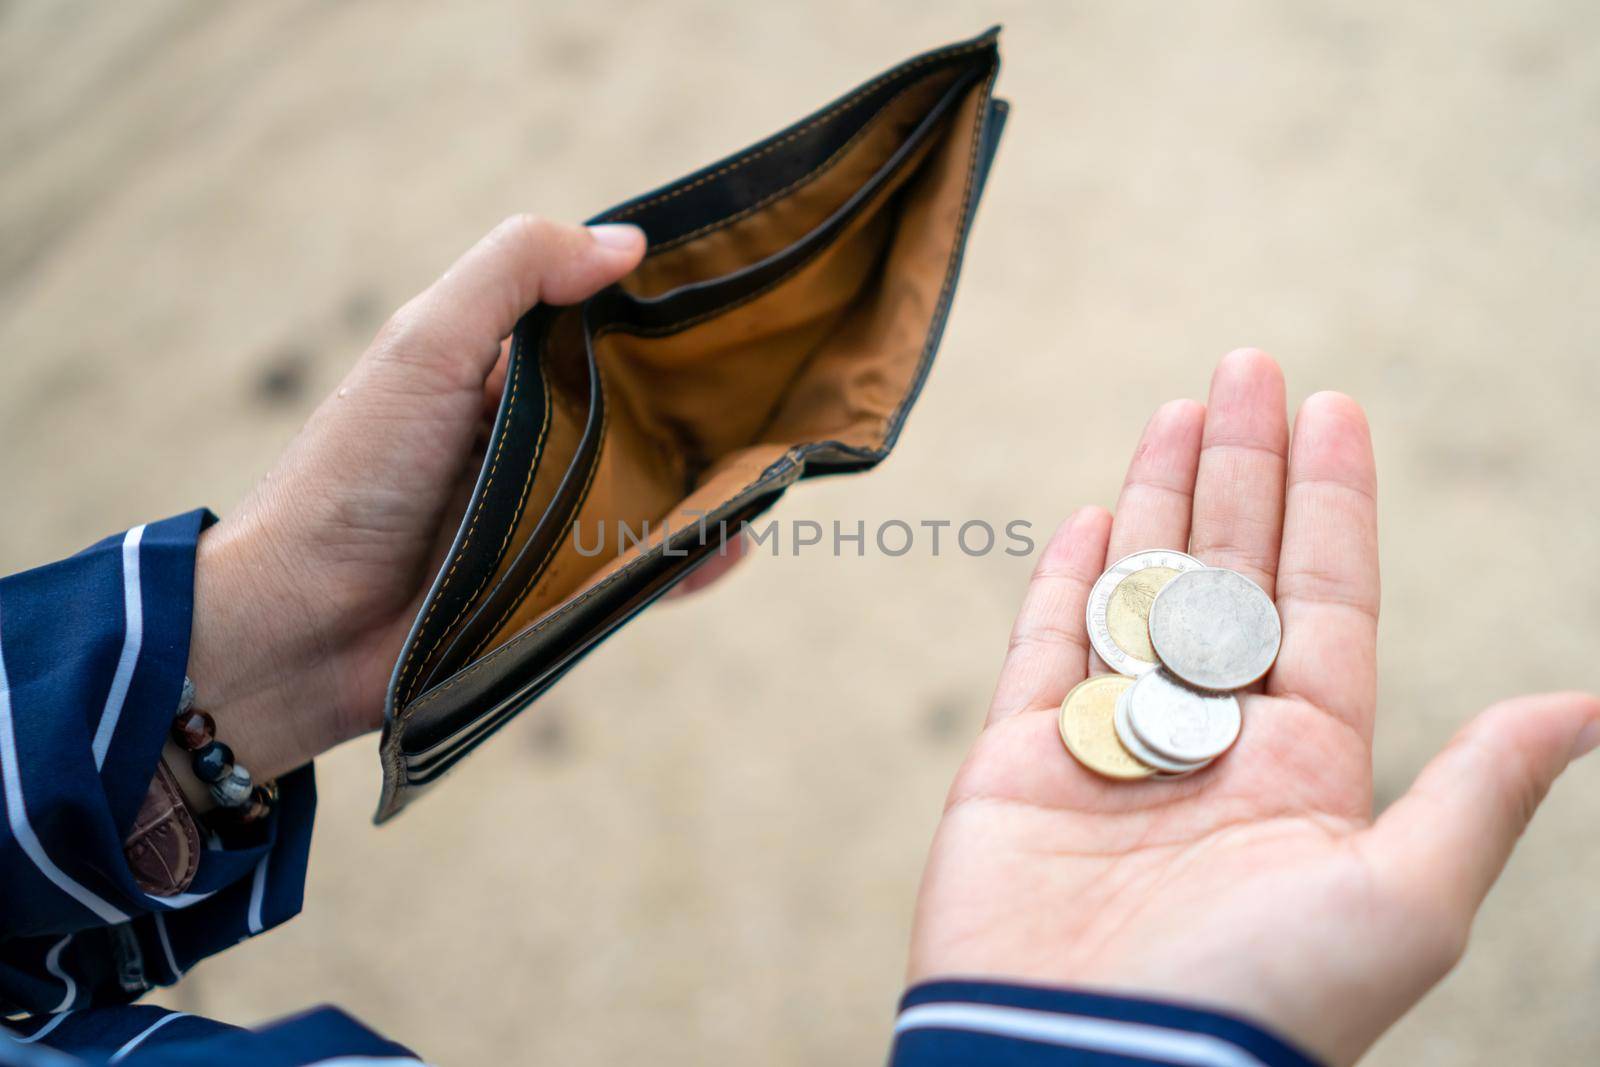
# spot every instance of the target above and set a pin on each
(1447, 839)
(1153, 508)
(1049, 650)
(713, 569)
(1238, 498)
(460, 320)
(1328, 570)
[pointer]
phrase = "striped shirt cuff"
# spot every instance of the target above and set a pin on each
(944, 1023)
(93, 651)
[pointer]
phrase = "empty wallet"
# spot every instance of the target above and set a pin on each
(779, 327)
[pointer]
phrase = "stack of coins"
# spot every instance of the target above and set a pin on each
(1183, 638)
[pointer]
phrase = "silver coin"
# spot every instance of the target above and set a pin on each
(1168, 768)
(1180, 723)
(1096, 619)
(1215, 629)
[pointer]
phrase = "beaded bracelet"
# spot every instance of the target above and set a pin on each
(229, 783)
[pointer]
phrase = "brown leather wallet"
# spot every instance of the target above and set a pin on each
(779, 327)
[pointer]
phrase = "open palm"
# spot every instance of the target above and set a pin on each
(1261, 884)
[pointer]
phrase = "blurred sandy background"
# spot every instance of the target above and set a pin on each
(702, 847)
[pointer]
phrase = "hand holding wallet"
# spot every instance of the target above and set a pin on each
(779, 327)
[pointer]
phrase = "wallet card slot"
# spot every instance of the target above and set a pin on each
(515, 451)
(440, 735)
(576, 429)
(689, 303)
(635, 480)
(775, 223)
(722, 190)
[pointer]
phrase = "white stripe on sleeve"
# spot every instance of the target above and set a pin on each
(43, 1031)
(258, 889)
(138, 1039)
(166, 946)
(132, 639)
(179, 901)
(1139, 1040)
(17, 814)
(52, 963)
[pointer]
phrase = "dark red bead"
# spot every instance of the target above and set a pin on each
(194, 730)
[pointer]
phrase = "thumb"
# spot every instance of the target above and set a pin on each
(1450, 835)
(527, 260)
(460, 320)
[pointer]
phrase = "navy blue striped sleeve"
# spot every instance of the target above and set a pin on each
(143, 1036)
(946, 1023)
(93, 651)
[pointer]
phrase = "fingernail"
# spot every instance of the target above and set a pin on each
(617, 235)
(1588, 740)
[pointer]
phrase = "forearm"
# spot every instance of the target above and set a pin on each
(263, 677)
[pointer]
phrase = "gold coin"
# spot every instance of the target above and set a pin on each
(1089, 729)
(1128, 610)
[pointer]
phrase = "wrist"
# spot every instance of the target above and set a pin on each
(253, 658)
(195, 792)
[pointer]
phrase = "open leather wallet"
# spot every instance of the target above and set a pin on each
(779, 327)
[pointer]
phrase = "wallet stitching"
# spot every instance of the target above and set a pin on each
(477, 513)
(794, 186)
(577, 509)
(769, 474)
(849, 101)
